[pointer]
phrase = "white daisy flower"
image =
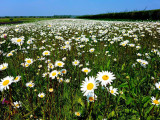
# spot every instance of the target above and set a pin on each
(3, 66)
(59, 64)
(157, 85)
(155, 101)
(29, 61)
(89, 85)
(46, 53)
(86, 70)
(75, 62)
(6, 82)
(17, 104)
(41, 95)
(30, 84)
(53, 74)
(91, 50)
(91, 97)
(17, 78)
(105, 77)
(113, 91)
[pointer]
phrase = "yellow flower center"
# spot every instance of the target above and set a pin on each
(75, 62)
(85, 70)
(54, 74)
(5, 82)
(112, 91)
(91, 98)
(9, 54)
(159, 86)
(17, 105)
(41, 96)
(78, 114)
(30, 85)
(51, 90)
(28, 61)
(46, 53)
(19, 40)
(27, 65)
(4, 67)
(59, 64)
(63, 71)
(16, 78)
(155, 101)
(105, 77)
(90, 86)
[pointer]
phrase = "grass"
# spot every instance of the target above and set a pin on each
(20, 20)
(69, 40)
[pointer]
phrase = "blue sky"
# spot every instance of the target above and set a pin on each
(72, 7)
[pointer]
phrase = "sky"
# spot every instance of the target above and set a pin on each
(72, 7)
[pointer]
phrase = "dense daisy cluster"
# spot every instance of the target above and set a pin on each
(80, 69)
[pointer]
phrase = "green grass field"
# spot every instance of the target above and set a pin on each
(20, 20)
(80, 70)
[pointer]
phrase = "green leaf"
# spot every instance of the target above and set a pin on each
(123, 66)
(111, 114)
(124, 85)
(108, 64)
(149, 110)
(100, 117)
(129, 100)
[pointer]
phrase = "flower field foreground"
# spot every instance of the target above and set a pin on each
(80, 70)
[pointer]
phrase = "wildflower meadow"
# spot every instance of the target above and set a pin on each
(72, 69)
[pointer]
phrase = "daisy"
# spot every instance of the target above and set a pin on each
(46, 53)
(75, 62)
(91, 50)
(17, 78)
(6, 82)
(9, 54)
(50, 89)
(144, 63)
(158, 85)
(17, 104)
(67, 80)
(59, 64)
(105, 77)
(113, 91)
(86, 70)
(29, 42)
(60, 80)
(41, 95)
(18, 41)
(154, 101)
(29, 61)
(91, 97)
(53, 74)
(139, 54)
(89, 85)
(3, 66)
(50, 66)
(64, 58)
(77, 113)
(30, 84)
(44, 74)
(63, 71)
(131, 45)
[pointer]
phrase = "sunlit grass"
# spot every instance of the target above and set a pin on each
(48, 63)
